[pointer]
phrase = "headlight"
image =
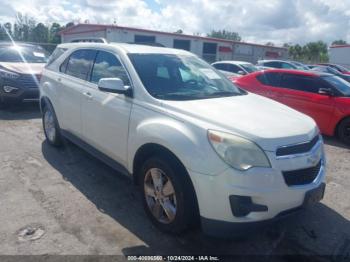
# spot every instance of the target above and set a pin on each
(8, 74)
(238, 152)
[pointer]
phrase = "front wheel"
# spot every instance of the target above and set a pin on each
(344, 131)
(167, 198)
(51, 127)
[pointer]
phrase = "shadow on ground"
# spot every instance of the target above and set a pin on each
(317, 231)
(334, 141)
(23, 111)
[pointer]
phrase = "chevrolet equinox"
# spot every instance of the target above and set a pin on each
(201, 149)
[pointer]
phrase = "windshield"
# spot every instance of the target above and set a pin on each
(249, 68)
(175, 77)
(341, 68)
(300, 66)
(340, 84)
(20, 54)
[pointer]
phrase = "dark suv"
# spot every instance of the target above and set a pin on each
(20, 69)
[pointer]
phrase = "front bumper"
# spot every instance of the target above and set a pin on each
(22, 94)
(266, 187)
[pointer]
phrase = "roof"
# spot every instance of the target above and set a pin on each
(296, 72)
(233, 62)
(339, 46)
(99, 27)
(129, 48)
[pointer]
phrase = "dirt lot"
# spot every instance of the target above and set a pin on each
(81, 206)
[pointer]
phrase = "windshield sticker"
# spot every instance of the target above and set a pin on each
(210, 73)
(37, 54)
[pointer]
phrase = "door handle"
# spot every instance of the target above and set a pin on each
(88, 95)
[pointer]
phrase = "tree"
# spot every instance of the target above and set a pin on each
(40, 34)
(270, 44)
(225, 35)
(339, 42)
(53, 33)
(24, 27)
(312, 52)
(178, 31)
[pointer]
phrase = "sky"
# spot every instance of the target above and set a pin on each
(258, 21)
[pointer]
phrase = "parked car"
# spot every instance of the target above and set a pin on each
(20, 68)
(282, 64)
(229, 75)
(340, 68)
(201, 149)
(237, 67)
(331, 70)
(324, 97)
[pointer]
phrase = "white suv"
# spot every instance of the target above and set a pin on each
(201, 149)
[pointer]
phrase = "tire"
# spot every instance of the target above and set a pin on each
(172, 213)
(344, 131)
(51, 127)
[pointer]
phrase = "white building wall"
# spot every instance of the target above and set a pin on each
(340, 55)
(240, 51)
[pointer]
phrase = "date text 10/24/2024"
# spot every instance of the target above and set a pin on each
(173, 258)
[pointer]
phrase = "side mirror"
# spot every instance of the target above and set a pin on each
(241, 72)
(113, 85)
(326, 91)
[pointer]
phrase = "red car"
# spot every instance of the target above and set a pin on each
(324, 97)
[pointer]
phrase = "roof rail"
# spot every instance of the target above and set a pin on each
(89, 40)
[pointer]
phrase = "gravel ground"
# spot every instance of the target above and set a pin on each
(78, 205)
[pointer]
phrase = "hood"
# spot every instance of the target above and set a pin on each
(24, 68)
(262, 120)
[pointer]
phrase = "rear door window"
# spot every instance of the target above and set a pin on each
(107, 65)
(300, 83)
(80, 63)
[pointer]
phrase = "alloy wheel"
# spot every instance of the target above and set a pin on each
(160, 195)
(49, 124)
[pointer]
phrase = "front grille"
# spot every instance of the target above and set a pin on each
(301, 176)
(23, 81)
(297, 149)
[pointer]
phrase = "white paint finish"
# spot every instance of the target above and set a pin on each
(181, 126)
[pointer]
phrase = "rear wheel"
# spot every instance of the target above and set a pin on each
(167, 198)
(344, 131)
(51, 127)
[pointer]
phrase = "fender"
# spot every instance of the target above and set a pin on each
(191, 149)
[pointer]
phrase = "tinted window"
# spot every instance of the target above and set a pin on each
(270, 79)
(301, 83)
(23, 54)
(273, 64)
(108, 66)
(221, 67)
(233, 68)
(287, 66)
(80, 63)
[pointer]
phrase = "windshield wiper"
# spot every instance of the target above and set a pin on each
(223, 93)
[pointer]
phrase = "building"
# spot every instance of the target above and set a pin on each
(210, 49)
(340, 54)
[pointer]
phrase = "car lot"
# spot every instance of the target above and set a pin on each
(81, 206)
